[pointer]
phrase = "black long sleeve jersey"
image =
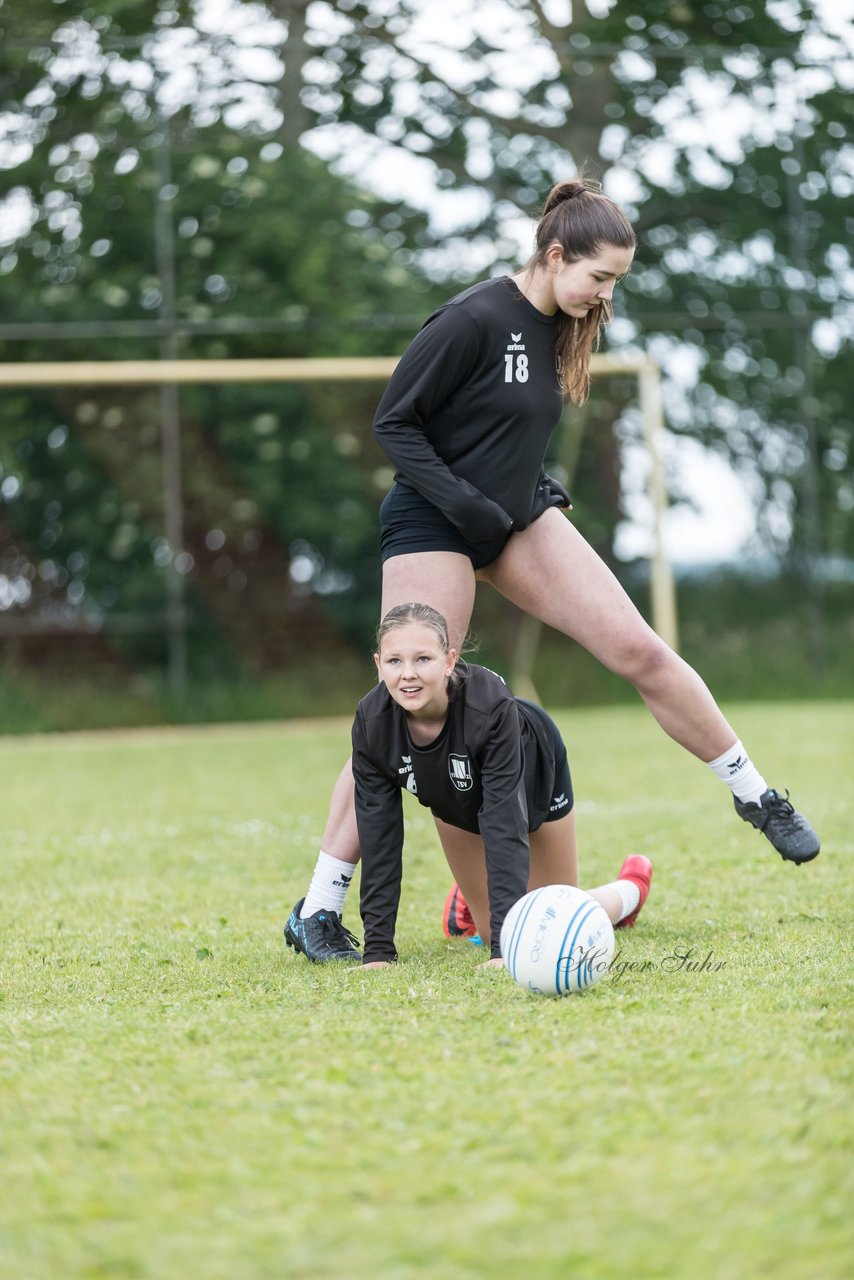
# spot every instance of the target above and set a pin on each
(468, 412)
(491, 770)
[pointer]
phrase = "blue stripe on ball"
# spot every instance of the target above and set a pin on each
(588, 908)
(563, 957)
(518, 931)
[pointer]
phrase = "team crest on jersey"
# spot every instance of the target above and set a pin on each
(460, 771)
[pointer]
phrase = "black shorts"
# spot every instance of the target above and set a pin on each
(409, 524)
(562, 799)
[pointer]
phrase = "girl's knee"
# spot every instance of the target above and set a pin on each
(648, 660)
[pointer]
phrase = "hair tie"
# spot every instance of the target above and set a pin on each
(582, 186)
(567, 191)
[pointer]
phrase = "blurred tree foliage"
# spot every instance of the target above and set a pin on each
(724, 127)
(165, 186)
(145, 228)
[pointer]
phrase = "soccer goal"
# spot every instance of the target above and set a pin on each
(171, 373)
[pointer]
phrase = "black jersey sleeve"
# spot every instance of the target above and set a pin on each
(437, 362)
(503, 817)
(379, 817)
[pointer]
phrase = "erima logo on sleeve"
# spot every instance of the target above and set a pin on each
(460, 771)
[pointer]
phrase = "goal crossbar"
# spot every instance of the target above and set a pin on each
(104, 373)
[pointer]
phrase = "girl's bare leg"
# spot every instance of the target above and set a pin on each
(554, 853)
(445, 580)
(341, 835)
(467, 859)
(554, 860)
(551, 572)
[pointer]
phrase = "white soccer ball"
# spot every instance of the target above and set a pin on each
(557, 940)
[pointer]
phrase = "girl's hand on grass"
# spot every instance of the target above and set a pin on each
(494, 963)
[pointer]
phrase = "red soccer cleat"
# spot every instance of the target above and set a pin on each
(638, 869)
(457, 920)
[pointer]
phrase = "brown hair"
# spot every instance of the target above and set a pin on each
(582, 219)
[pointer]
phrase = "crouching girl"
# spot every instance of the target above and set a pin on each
(492, 769)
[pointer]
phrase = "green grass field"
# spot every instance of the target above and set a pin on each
(180, 1095)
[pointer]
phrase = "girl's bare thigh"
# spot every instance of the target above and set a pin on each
(443, 579)
(551, 572)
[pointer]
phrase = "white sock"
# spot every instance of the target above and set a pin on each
(329, 885)
(629, 895)
(738, 771)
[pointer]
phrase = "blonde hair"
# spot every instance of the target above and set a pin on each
(402, 614)
(582, 219)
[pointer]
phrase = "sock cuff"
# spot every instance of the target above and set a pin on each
(737, 749)
(629, 894)
(738, 771)
(329, 885)
(335, 864)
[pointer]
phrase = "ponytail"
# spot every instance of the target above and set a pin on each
(582, 220)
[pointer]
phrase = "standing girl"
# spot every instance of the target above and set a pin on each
(466, 419)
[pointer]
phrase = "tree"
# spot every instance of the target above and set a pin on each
(145, 227)
(721, 127)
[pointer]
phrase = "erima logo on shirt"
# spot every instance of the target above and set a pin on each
(460, 772)
(515, 366)
(558, 802)
(407, 768)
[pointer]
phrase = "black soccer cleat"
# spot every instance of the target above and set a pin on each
(321, 937)
(789, 832)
